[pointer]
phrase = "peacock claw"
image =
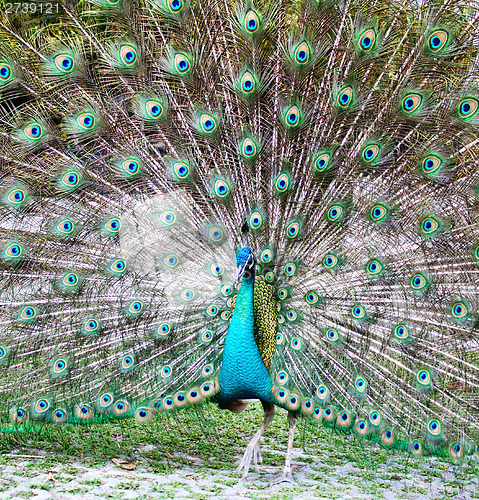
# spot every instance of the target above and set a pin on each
(252, 452)
(285, 477)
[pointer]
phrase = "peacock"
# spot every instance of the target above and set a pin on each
(227, 200)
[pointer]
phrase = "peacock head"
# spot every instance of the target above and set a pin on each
(244, 264)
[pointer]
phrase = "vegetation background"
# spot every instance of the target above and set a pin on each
(192, 454)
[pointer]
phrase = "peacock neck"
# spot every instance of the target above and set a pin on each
(243, 374)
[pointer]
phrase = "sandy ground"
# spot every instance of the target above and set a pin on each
(30, 478)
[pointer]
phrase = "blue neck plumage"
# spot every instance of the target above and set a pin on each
(243, 374)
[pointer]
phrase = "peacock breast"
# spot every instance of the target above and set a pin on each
(243, 373)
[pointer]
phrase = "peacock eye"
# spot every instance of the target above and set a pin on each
(330, 261)
(361, 427)
(154, 109)
(247, 83)
(322, 162)
(112, 226)
(282, 183)
(431, 164)
(302, 53)
(128, 54)
(438, 40)
(371, 153)
(91, 326)
(167, 217)
(215, 234)
(60, 367)
(221, 188)
(430, 226)
(117, 267)
(175, 6)
(33, 131)
(333, 336)
(379, 213)
(367, 40)
(13, 251)
(358, 312)
(296, 342)
(411, 103)
(374, 267)
(267, 255)
(207, 336)
(28, 314)
(361, 386)
(5, 72)
(65, 227)
(64, 63)
(416, 447)
(418, 282)
(70, 179)
(251, 22)
(460, 310)
(212, 310)
(70, 280)
(423, 377)
(171, 261)
(127, 362)
(187, 295)
(207, 123)
(401, 332)
(86, 121)
(312, 298)
(434, 427)
(290, 268)
(19, 415)
(468, 107)
(345, 97)
(248, 148)
(41, 406)
(135, 307)
(292, 117)
(335, 213)
(130, 166)
(322, 392)
(182, 63)
(181, 170)
(293, 229)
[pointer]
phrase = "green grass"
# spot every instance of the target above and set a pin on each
(209, 441)
(207, 433)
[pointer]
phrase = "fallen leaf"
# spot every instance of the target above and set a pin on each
(50, 478)
(124, 464)
(168, 454)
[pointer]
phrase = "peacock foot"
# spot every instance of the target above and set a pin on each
(285, 477)
(252, 452)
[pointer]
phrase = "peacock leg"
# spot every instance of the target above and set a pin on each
(286, 476)
(252, 451)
